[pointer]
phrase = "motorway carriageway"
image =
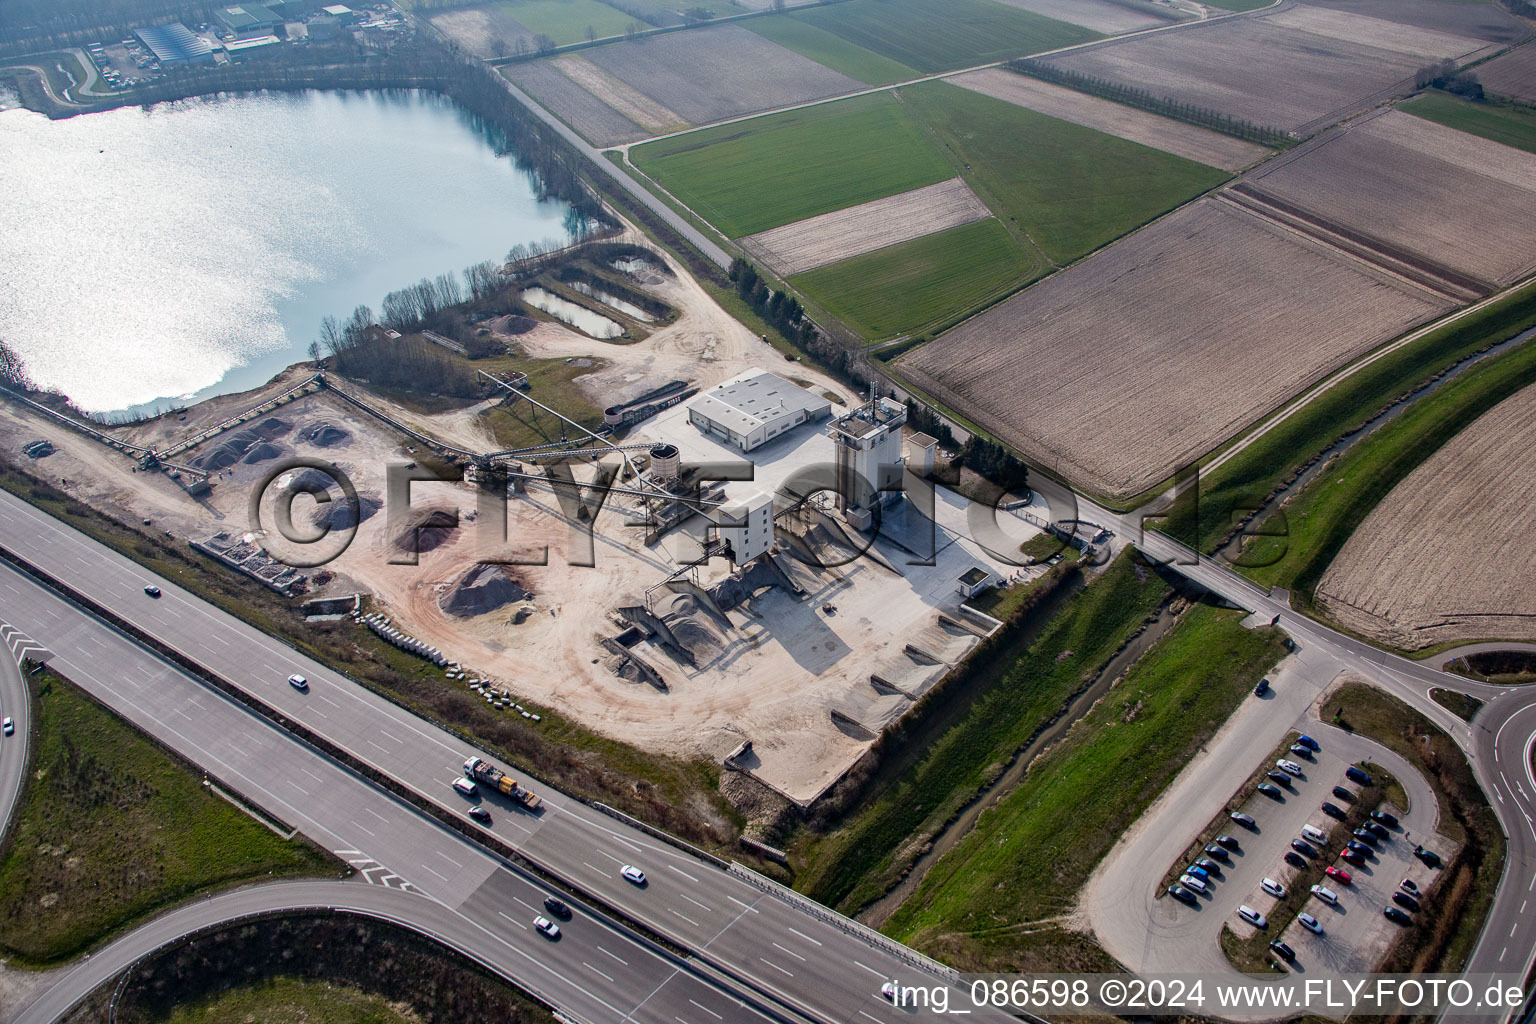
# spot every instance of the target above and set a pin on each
(796, 954)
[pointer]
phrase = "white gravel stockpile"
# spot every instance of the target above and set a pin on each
(818, 241)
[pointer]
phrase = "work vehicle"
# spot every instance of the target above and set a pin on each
(480, 768)
(1313, 834)
(1270, 790)
(1252, 916)
(1289, 767)
(632, 874)
(1396, 916)
(557, 907)
(1356, 775)
(1402, 899)
(1333, 810)
(1261, 689)
(1273, 887)
(1386, 818)
(152, 590)
(546, 927)
(1326, 894)
(1295, 859)
(1283, 951)
(1191, 882)
(1308, 742)
(298, 682)
(1227, 841)
(1311, 923)
(480, 814)
(1245, 820)
(464, 787)
(1178, 892)
(1338, 875)
(1302, 847)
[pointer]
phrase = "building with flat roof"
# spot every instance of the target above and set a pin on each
(246, 20)
(238, 48)
(175, 45)
(752, 409)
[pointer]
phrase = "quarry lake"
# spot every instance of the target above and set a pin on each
(165, 255)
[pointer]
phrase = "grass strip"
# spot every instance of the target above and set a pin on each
(1500, 121)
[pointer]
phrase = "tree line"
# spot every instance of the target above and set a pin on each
(1142, 99)
(981, 455)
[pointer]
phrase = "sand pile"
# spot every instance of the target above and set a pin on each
(327, 435)
(483, 589)
(429, 530)
(341, 514)
(691, 626)
(262, 452)
(250, 445)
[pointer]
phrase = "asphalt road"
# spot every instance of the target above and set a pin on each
(805, 956)
(15, 705)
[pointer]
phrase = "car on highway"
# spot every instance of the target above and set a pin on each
(1301, 751)
(1326, 894)
(1365, 835)
(1333, 810)
(1377, 829)
(1191, 882)
(888, 990)
(1386, 818)
(152, 590)
(557, 907)
(1283, 951)
(545, 927)
(1338, 875)
(1344, 794)
(1230, 842)
(1409, 885)
(1198, 871)
(1178, 892)
(464, 787)
(1279, 776)
(1308, 742)
(1252, 916)
(298, 682)
(1356, 775)
(1402, 899)
(1218, 852)
(1396, 916)
(1261, 689)
(1273, 887)
(1289, 767)
(480, 814)
(632, 874)
(8, 726)
(1270, 790)
(1354, 857)
(1245, 820)
(1310, 923)
(1301, 846)
(1295, 859)
(1211, 867)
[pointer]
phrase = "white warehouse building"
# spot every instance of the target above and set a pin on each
(752, 409)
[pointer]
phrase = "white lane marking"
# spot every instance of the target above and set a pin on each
(776, 967)
(706, 1009)
(525, 903)
(376, 814)
(877, 1020)
(371, 832)
(621, 960)
(296, 786)
(439, 874)
(392, 739)
(1502, 952)
(513, 920)
(695, 902)
(375, 745)
(685, 917)
(683, 873)
(449, 859)
(328, 700)
(311, 774)
(748, 906)
(791, 952)
(871, 970)
(804, 936)
(595, 971)
(1512, 930)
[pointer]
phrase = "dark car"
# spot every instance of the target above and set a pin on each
(1356, 775)
(557, 908)
(1389, 820)
(1218, 852)
(1211, 867)
(1280, 777)
(1303, 847)
(1377, 829)
(1409, 885)
(1262, 688)
(1178, 892)
(1245, 820)
(1294, 859)
(1365, 835)
(1270, 790)
(152, 590)
(1344, 794)
(1230, 842)
(1356, 846)
(1333, 810)
(1396, 916)
(1308, 742)
(480, 814)
(1354, 857)
(1283, 951)
(1429, 857)
(1402, 899)
(1301, 751)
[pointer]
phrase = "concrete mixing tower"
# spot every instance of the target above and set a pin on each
(868, 443)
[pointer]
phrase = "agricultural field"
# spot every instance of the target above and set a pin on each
(942, 35)
(838, 54)
(1129, 365)
(1513, 74)
(1186, 140)
(596, 121)
(1107, 16)
(1445, 556)
(855, 230)
(1294, 70)
(1472, 18)
(497, 29)
(1422, 188)
(1507, 123)
(911, 286)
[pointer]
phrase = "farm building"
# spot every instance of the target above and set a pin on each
(246, 20)
(175, 44)
(752, 409)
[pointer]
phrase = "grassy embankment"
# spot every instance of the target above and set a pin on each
(1246, 480)
(1447, 928)
(288, 999)
(1462, 705)
(564, 21)
(1503, 122)
(931, 773)
(522, 424)
(113, 827)
(827, 49)
(1029, 856)
(680, 796)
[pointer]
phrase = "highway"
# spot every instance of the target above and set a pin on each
(14, 704)
(802, 956)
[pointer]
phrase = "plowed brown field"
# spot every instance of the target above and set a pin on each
(1513, 74)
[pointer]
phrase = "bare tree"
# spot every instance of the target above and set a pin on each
(591, 33)
(13, 372)
(331, 336)
(314, 353)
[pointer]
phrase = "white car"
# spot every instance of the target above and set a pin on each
(888, 990)
(298, 682)
(546, 927)
(1252, 916)
(1308, 921)
(1289, 767)
(1274, 888)
(1191, 882)
(632, 874)
(1326, 894)
(465, 787)
(8, 726)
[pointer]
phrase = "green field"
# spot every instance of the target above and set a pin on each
(566, 21)
(908, 287)
(825, 48)
(294, 1000)
(1240, 5)
(1029, 855)
(942, 35)
(1502, 122)
(98, 788)
(750, 176)
(1015, 693)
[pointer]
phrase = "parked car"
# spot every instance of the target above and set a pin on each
(1356, 775)
(632, 874)
(1261, 689)
(1301, 751)
(1338, 875)
(152, 590)
(1353, 857)
(1270, 790)
(1191, 882)
(1178, 892)
(1309, 922)
(1387, 819)
(1308, 742)
(1289, 767)
(1365, 835)
(1344, 794)
(1377, 829)
(1273, 887)
(1295, 859)
(1429, 857)
(1333, 810)
(1283, 951)
(1402, 899)
(1409, 885)
(1396, 916)
(1211, 867)
(1218, 852)
(1326, 894)
(298, 682)
(557, 907)
(1279, 776)
(1252, 916)
(480, 814)
(1245, 820)
(1227, 841)
(1303, 847)
(1357, 847)
(546, 927)
(1198, 871)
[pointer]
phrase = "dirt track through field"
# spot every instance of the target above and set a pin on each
(1206, 147)
(635, 105)
(1446, 556)
(818, 241)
